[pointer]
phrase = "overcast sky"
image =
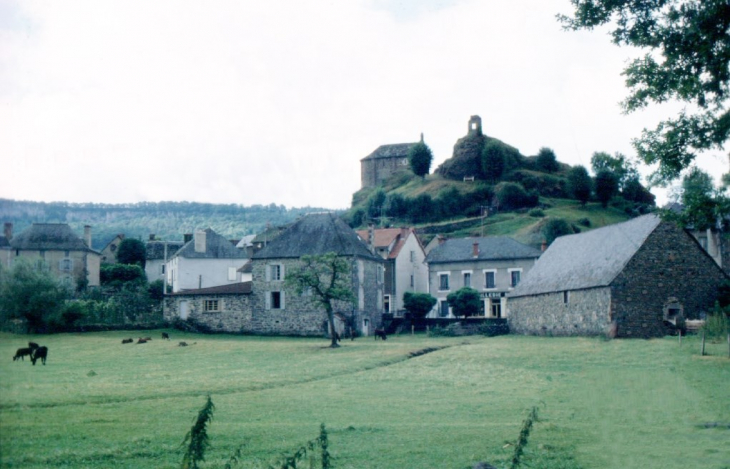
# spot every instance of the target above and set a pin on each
(258, 102)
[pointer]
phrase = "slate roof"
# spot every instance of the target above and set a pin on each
(49, 236)
(156, 249)
(491, 248)
(316, 234)
(216, 247)
(587, 260)
(230, 289)
(395, 150)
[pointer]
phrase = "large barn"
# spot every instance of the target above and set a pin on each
(639, 278)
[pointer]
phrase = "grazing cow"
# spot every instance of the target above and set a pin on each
(147, 338)
(380, 333)
(142, 341)
(40, 352)
(166, 336)
(127, 341)
(33, 345)
(182, 344)
(22, 352)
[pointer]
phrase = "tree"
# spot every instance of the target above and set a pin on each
(418, 304)
(465, 302)
(118, 275)
(396, 205)
(29, 291)
(328, 277)
(421, 208)
(547, 161)
(512, 196)
(619, 165)
(687, 58)
(702, 204)
(493, 160)
(132, 251)
(376, 204)
(580, 184)
(606, 186)
(420, 158)
(554, 228)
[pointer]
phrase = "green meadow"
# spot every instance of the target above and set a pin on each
(601, 404)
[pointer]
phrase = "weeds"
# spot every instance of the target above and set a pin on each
(197, 437)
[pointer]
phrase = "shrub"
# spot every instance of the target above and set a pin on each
(418, 304)
(554, 228)
(132, 251)
(584, 222)
(465, 302)
(511, 196)
(452, 330)
(536, 212)
(493, 328)
(717, 326)
(116, 275)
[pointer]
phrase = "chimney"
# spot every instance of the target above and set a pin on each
(87, 235)
(187, 237)
(8, 231)
(475, 249)
(371, 237)
(152, 236)
(200, 241)
(543, 246)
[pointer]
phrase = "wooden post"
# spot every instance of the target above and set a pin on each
(703, 343)
(680, 337)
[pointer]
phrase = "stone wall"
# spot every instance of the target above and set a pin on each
(586, 312)
(670, 267)
(374, 171)
(234, 314)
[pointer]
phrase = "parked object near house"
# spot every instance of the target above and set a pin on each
(493, 266)
(641, 278)
(404, 257)
(206, 260)
(55, 245)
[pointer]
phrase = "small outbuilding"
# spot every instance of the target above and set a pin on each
(640, 278)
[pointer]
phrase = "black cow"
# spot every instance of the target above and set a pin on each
(127, 341)
(40, 352)
(33, 345)
(380, 333)
(166, 336)
(22, 352)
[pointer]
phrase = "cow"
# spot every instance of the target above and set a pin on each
(128, 341)
(22, 352)
(380, 333)
(40, 352)
(166, 336)
(33, 345)
(142, 341)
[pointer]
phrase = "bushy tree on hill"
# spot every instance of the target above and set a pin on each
(493, 161)
(420, 158)
(512, 196)
(606, 186)
(554, 228)
(580, 184)
(622, 168)
(547, 161)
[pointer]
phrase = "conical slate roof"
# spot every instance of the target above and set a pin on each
(49, 237)
(316, 234)
(587, 260)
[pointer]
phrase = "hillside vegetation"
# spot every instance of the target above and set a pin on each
(167, 220)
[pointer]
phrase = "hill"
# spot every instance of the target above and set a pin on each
(166, 220)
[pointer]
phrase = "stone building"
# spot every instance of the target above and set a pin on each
(385, 161)
(267, 306)
(493, 266)
(404, 257)
(639, 278)
(55, 245)
(109, 253)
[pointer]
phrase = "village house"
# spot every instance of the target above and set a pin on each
(206, 260)
(640, 278)
(493, 266)
(109, 253)
(156, 254)
(385, 161)
(267, 306)
(54, 245)
(404, 263)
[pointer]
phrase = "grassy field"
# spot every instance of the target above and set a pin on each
(602, 404)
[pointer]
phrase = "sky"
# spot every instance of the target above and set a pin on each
(252, 102)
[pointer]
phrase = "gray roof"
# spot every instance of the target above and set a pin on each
(48, 237)
(316, 234)
(239, 288)
(395, 150)
(156, 249)
(490, 248)
(587, 260)
(216, 247)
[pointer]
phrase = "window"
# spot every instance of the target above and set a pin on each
(566, 297)
(66, 265)
(443, 282)
(496, 307)
(444, 309)
(211, 306)
(413, 256)
(467, 279)
(67, 253)
(489, 279)
(275, 273)
(413, 281)
(276, 302)
(514, 277)
(231, 273)
(162, 269)
(386, 303)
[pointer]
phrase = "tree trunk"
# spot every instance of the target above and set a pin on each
(331, 319)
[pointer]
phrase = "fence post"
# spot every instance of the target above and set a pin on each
(680, 337)
(703, 343)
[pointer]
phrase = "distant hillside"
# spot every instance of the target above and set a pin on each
(166, 220)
